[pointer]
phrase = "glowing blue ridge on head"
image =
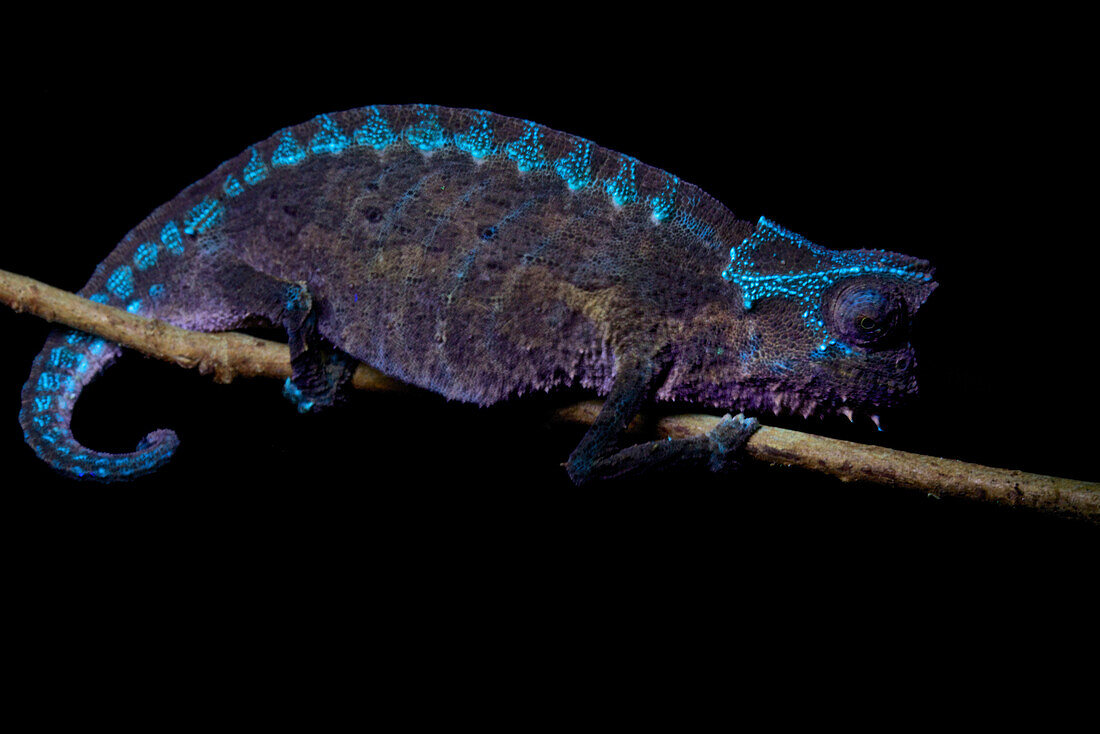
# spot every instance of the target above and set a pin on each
(623, 188)
(427, 133)
(767, 225)
(807, 288)
(478, 139)
(232, 187)
(203, 216)
(329, 138)
(121, 282)
(171, 238)
(375, 132)
(145, 256)
(830, 349)
(576, 167)
(255, 170)
(289, 152)
(527, 150)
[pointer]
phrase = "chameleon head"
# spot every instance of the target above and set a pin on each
(821, 331)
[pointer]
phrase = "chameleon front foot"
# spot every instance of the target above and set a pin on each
(719, 450)
(727, 439)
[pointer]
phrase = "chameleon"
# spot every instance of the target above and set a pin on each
(483, 257)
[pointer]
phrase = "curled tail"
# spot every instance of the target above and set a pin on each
(69, 361)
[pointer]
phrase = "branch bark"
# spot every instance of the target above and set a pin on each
(228, 355)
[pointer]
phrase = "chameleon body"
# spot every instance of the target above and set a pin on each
(482, 257)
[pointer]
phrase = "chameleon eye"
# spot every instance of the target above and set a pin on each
(866, 324)
(867, 314)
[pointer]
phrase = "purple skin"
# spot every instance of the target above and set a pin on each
(483, 257)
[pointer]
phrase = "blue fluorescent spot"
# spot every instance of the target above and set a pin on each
(232, 187)
(255, 171)
(623, 189)
(77, 337)
(170, 236)
(527, 151)
(477, 139)
(97, 346)
(61, 357)
(100, 298)
(134, 306)
(145, 256)
(156, 291)
(295, 298)
(67, 359)
(203, 216)
(289, 152)
(664, 203)
(330, 138)
(576, 168)
(375, 132)
(121, 282)
(427, 133)
(42, 403)
(52, 381)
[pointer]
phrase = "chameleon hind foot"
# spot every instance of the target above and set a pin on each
(318, 373)
(321, 386)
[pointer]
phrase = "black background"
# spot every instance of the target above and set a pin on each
(962, 142)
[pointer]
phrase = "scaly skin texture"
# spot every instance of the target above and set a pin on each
(483, 257)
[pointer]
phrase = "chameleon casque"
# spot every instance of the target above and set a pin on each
(483, 257)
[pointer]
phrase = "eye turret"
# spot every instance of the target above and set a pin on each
(868, 314)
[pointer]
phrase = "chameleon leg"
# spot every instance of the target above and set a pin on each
(317, 371)
(598, 456)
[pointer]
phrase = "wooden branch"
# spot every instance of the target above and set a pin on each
(228, 355)
(224, 354)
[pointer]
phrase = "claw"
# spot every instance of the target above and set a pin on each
(294, 394)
